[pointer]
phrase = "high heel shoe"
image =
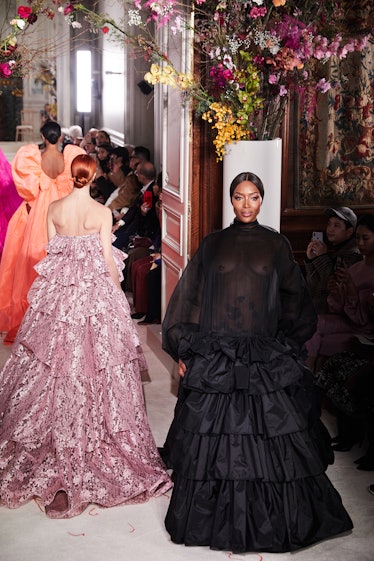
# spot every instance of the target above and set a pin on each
(366, 465)
(343, 446)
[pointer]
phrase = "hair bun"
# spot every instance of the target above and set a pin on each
(80, 181)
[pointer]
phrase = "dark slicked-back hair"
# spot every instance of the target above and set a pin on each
(247, 176)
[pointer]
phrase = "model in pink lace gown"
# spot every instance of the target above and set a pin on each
(9, 198)
(72, 416)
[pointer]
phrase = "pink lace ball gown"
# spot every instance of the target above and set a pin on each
(71, 400)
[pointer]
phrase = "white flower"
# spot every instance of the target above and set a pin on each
(235, 44)
(178, 25)
(20, 23)
(134, 17)
(76, 24)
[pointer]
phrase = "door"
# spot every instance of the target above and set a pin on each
(176, 162)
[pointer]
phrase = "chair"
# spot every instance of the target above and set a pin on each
(25, 131)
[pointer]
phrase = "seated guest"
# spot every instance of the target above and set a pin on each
(104, 152)
(89, 142)
(141, 219)
(75, 135)
(103, 137)
(144, 249)
(102, 187)
(322, 258)
(350, 290)
(144, 273)
(346, 383)
(146, 283)
(128, 187)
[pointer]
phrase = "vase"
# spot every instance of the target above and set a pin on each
(263, 158)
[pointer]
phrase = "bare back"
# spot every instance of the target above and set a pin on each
(52, 162)
(77, 215)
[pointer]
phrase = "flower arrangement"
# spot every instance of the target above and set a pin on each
(15, 58)
(253, 54)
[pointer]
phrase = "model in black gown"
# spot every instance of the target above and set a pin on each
(247, 448)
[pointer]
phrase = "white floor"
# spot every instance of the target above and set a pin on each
(136, 533)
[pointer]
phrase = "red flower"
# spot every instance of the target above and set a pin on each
(105, 29)
(68, 9)
(32, 18)
(24, 12)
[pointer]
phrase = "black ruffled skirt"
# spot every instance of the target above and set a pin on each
(248, 450)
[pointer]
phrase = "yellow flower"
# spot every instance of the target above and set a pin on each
(150, 78)
(155, 69)
(154, 74)
(184, 81)
(278, 3)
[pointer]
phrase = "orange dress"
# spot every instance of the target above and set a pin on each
(26, 239)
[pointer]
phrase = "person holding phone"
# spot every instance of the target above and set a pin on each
(141, 220)
(321, 256)
(349, 293)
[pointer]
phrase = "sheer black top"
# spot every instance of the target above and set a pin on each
(242, 282)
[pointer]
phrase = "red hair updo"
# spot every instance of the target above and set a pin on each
(83, 168)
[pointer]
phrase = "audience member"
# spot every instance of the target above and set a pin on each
(322, 258)
(145, 273)
(89, 145)
(349, 290)
(102, 137)
(346, 383)
(102, 187)
(75, 134)
(135, 253)
(90, 139)
(104, 152)
(126, 194)
(141, 219)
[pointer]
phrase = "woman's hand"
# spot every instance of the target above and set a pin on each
(315, 249)
(144, 208)
(181, 368)
(344, 279)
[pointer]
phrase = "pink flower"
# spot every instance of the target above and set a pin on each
(105, 29)
(272, 79)
(24, 12)
(68, 9)
(283, 91)
(5, 70)
(323, 85)
(257, 12)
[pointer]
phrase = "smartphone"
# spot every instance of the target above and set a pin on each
(317, 236)
(148, 198)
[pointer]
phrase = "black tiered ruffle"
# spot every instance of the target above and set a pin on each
(248, 450)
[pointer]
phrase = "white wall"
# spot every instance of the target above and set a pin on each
(125, 109)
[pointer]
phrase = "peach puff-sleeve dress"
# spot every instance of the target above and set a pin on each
(26, 239)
